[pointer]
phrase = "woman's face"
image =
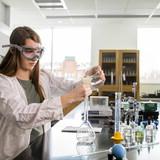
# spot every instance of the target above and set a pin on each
(26, 64)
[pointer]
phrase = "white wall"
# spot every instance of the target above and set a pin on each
(112, 35)
(3, 40)
(4, 29)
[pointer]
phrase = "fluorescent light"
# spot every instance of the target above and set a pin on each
(48, 4)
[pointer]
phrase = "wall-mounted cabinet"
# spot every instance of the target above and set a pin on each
(121, 68)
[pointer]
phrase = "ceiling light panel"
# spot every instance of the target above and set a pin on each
(50, 4)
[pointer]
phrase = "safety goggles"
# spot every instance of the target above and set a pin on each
(28, 52)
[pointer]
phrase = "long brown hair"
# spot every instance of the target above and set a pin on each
(10, 62)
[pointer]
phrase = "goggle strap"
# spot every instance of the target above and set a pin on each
(13, 45)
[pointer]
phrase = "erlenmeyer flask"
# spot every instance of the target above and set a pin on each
(85, 133)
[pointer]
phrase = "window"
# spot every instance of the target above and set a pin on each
(71, 51)
(46, 40)
(149, 46)
(67, 50)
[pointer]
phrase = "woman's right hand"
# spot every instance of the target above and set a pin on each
(76, 95)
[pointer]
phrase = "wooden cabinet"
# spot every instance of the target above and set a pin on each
(121, 68)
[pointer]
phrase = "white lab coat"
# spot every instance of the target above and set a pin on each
(17, 118)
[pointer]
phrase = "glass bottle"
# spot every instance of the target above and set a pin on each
(149, 133)
(128, 135)
(139, 134)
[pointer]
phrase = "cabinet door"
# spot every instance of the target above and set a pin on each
(108, 61)
(129, 67)
(130, 71)
(108, 64)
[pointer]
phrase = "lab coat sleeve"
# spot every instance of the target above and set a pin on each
(59, 85)
(14, 108)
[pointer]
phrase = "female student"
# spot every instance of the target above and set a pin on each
(31, 98)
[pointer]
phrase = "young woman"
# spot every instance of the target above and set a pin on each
(29, 97)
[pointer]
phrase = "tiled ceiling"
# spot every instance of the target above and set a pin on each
(51, 12)
(98, 8)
